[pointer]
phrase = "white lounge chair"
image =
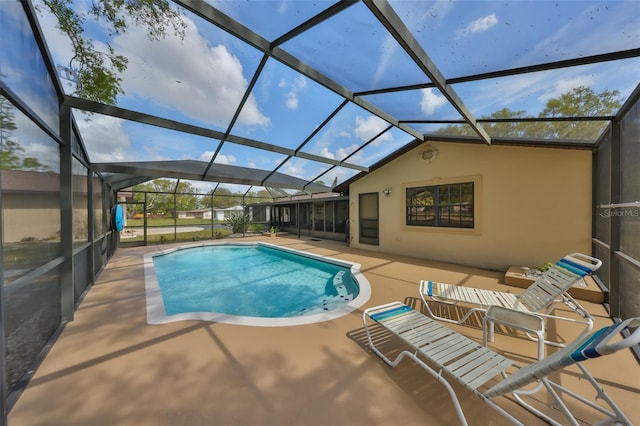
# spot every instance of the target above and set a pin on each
(539, 298)
(447, 355)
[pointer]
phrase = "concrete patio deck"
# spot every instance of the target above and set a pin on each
(109, 367)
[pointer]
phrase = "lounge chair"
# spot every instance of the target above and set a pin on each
(446, 355)
(539, 298)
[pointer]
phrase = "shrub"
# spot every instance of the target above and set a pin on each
(238, 222)
(255, 227)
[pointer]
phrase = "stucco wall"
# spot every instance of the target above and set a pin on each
(532, 205)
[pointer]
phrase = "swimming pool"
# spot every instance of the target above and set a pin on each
(256, 284)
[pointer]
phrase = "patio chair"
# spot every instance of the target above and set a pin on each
(539, 298)
(448, 355)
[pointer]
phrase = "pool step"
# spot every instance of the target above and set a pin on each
(338, 284)
(330, 303)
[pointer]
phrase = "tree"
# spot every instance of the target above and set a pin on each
(97, 73)
(161, 194)
(223, 198)
(264, 195)
(583, 101)
(258, 197)
(218, 199)
(578, 102)
(186, 198)
(508, 128)
(501, 128)
(11, 152)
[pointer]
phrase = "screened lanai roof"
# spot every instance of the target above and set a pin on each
(306, 94)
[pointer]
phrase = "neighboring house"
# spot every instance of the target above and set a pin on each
(208, 213)
(222, 214)
(195, 214)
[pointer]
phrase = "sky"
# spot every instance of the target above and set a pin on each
(201, 79)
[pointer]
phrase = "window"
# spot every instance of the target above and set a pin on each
(446, 206)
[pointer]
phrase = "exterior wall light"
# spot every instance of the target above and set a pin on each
(386, 191)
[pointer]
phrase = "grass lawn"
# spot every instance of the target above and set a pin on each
(170, 237)
(168, 221)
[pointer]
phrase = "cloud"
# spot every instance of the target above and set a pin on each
(479, 25)
(220, 159)
(154, 152)
(284, 6)
(58, 43)
(387, 50)
(34, 142)
(590, 32)
(430, 16)
(365, 129)
(225, 159)
(324, 152)
(206, 156)
(345, 151)
(626, 73)
(566, 85)
(431, 101)
(105, 138)
(294, 168)
(200, 80)
(530, 92)
(340, 173)
(511, 92)
(291, 96)
(202, 187)
(368, 128)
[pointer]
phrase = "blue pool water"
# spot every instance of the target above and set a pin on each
(251, 281)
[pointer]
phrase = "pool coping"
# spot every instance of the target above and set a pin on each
(155, 306)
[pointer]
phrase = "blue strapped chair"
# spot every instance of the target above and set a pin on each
(448, 355)
(540, 298)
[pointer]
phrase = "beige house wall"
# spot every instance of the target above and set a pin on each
(532, 205)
